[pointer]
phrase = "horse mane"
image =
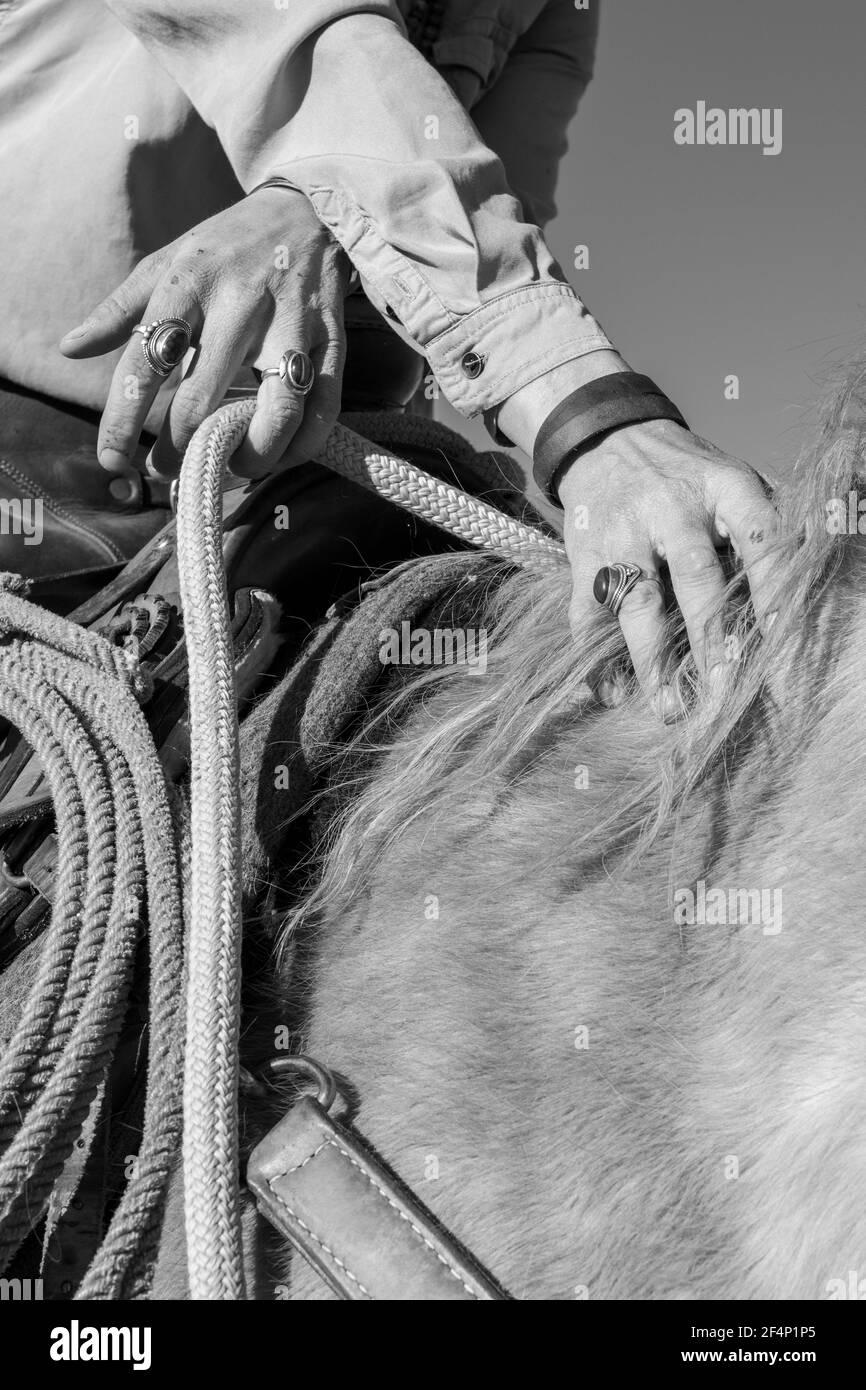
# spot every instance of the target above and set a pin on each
(450, 733)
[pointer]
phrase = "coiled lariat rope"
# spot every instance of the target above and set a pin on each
(76, 698)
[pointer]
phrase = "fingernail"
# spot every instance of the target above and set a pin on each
(611, 692)
(717, 676)
(156, 468)
(667, 703)
(114, 460)
(123, 489)
(74, 333)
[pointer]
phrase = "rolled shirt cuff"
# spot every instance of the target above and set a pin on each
(479, 357)
(510, 341)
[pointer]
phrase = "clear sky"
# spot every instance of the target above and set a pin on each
(707, 261)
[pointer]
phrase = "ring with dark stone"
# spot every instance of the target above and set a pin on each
(165, 343)
(295, 370)
(613, 583)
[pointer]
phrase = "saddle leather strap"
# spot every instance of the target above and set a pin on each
(346, 1214)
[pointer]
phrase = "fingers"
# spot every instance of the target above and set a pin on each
(754, 527)
(642, 619)
(133, 389)
(219, 356)
(324, 401)
(289, 427)
(699, 586)
(111, 322)
(278, 415)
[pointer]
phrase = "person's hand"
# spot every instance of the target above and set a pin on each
(653, 493)
(260, 279)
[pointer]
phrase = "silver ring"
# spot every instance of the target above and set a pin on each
(613, 584)
(165, 343)
(295, 370)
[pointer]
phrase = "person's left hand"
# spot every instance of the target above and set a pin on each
(260, 279)
(652, 494)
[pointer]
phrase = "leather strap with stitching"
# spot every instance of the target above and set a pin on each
(349, 1217)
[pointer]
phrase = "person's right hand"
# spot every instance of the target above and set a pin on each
(260, 279)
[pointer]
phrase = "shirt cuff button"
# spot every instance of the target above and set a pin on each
(472, 364)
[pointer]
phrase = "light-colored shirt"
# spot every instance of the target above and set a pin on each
(123, 124)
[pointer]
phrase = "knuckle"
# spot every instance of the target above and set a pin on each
(189, 408)
(115, 306)
(148, 266)
(645, 597)
(292, 323)
(696, 561)
(181, 278)
(334, 358)
(744, 493)
(761, 514)
(284, 415)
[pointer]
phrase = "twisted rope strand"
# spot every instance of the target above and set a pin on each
(69, 764)
(84, 701)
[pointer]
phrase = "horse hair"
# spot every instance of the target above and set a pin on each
(599, 1097)
(477, 733)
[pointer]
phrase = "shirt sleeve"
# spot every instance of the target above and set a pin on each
(525, 117)
(331, 95)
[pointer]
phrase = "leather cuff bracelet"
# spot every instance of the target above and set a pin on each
(608, 403)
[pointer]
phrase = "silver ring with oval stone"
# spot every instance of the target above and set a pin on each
(165, 343)
(295, 370)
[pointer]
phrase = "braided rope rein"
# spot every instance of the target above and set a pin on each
(210, 1145)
